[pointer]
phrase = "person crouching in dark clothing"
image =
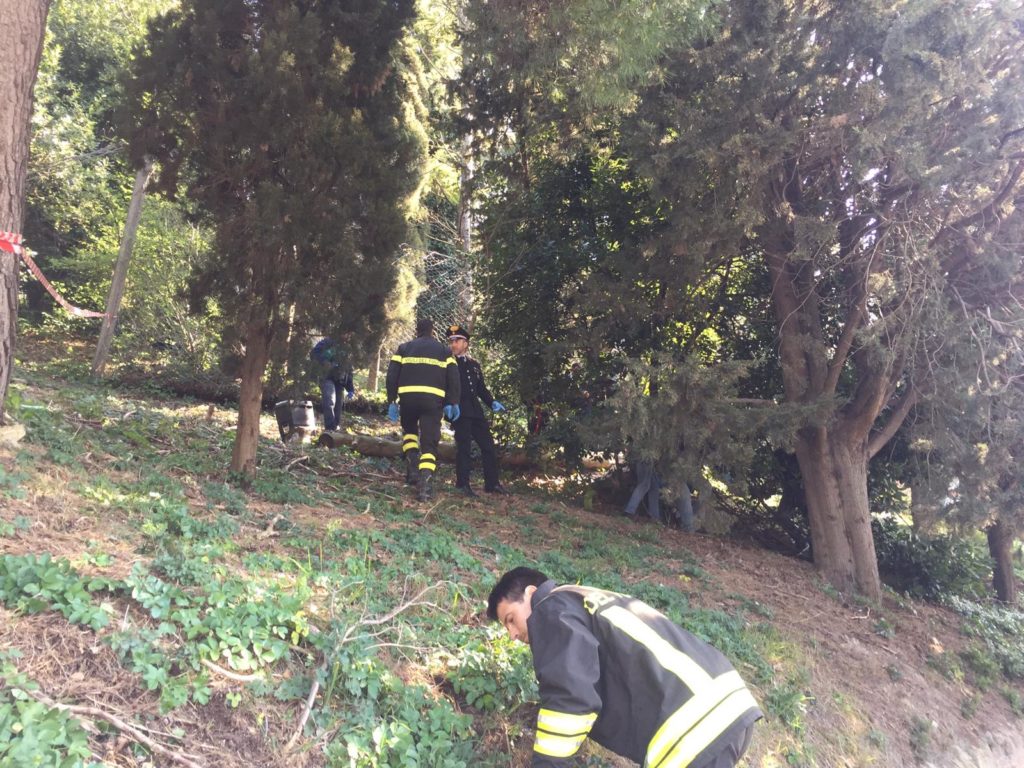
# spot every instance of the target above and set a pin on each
(472, 424)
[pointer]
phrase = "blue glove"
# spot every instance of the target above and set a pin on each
(393, 412)
(350, 395)
(452, 412)
(497, 407)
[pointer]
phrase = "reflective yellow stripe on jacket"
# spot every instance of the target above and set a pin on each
(716, 704)
(429, 390)
(424, 361)
(688, 732)
(561, 734)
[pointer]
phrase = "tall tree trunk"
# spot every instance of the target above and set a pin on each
(124, 257)
(22, 28)
(833, 459)
(373, 375)
(250, 400)
(1000, 546)
(466, 290)
(835, 476)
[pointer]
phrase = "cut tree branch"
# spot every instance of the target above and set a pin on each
(349, 633)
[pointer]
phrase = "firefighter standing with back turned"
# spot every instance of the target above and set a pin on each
(613, 669)
(424, 378)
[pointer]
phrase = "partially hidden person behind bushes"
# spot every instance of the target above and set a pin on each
(649, 484)
(334, 372)
(472, 425)
(613, 669)
(422, 383)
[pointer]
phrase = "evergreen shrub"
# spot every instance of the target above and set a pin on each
(1000, 629)
(929, 567)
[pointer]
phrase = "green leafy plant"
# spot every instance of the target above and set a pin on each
(492, 672)
(885, 628)
(1000, 631)
(921, 730)
(946, 664)
(1015, 700)
(789, 702)
(11, 484)
(32, 733)
(19, 523)
(969, 706)
(36, 583)
(983, 667)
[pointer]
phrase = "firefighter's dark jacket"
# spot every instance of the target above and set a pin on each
(614, 669)
(423, 366)
(471, 377)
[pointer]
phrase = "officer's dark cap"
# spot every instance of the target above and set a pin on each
(457, 332)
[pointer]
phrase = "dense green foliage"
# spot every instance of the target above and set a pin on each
(727, 238)
(79, 187)
(296, 132)
(930, 566)
(827, 193)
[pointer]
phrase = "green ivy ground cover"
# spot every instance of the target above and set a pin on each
(299, 580)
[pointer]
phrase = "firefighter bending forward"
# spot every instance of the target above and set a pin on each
(612, 668)
(424, 378)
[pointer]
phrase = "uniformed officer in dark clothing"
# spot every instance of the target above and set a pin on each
(613, 669)
(424, 378)
(472, 424)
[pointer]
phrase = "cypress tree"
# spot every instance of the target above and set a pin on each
(295, 127)
(867, 155)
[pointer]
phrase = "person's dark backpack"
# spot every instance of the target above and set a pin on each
(323, 352)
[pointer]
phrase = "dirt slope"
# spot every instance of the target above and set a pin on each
(870, 692)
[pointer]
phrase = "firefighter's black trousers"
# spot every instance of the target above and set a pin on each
(420, 415)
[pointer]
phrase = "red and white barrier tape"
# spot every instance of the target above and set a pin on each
(11, 243)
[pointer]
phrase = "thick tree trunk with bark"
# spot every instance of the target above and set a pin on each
(250, 400)
(1000, 546)
(22, 28)
(834, 456)
(836, 489)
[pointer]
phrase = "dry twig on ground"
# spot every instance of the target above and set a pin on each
(135, 732)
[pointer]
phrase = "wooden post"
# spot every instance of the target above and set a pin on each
(124, 256)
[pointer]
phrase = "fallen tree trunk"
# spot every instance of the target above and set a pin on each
(379, 446)
(376, 446)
